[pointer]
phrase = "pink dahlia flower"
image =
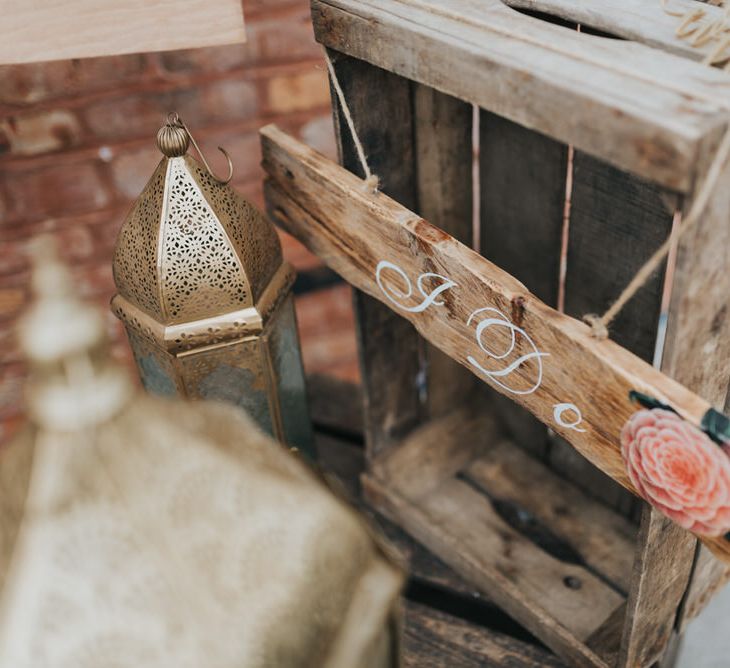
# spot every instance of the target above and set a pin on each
(679, 470)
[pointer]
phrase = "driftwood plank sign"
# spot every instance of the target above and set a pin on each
(487, 320)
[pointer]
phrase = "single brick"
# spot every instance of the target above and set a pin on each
(11, 301)
(319, 133)
(131, 169)
(35, 134)
(297, 253)
(141, 114)
(58, 189)
(209, 59)
(302, 91)
(36, 82)
(286, 38)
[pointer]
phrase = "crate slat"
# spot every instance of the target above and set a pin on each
(381, 108)
(637, 20)
(604, 538)
(661, 572)
(434, 640)
(522, 189)
(443, 127)
(655, 110)
(460, 524)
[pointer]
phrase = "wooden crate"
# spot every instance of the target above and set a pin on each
(600, 578)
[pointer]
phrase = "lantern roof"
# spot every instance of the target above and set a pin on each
(192, 248)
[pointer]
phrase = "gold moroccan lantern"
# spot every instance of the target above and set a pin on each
(138, 530)
(205, 295)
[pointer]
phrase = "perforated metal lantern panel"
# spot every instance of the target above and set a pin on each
(204, 294)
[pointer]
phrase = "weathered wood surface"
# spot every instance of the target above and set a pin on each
(561, 603)
(35, 31)
(522, 191)
(438, 449)
(616, 222)
(602, 537)
(656, 110)
(708, 576)
(443, 129)
(381, 109)
(434, 639)
(481, 634)
(637, 20)
(352, 231)
(661, 572)
(534, 543)
(335, 407)
(697, 346)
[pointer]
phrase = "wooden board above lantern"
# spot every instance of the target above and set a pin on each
(32, 32)
(488, 321)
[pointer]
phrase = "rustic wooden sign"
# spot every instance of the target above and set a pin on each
(488, 321)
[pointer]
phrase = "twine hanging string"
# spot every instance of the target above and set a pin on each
(371, 180)
(599, 324)
(701, 34)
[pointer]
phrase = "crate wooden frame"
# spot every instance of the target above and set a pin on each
(410, 70)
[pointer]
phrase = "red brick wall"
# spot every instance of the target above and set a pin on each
(77, 145)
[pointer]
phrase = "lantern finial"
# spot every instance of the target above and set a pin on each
(173, 138)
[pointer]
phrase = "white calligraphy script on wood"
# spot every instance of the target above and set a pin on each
(485, 319)
(471, 309)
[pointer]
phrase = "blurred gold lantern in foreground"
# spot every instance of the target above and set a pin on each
(139, 531)
(205, 295)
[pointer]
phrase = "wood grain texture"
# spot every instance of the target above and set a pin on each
(616, 222)
(522, 191)
(636, 20)
(431, 636)
(443, 128)
(661, 572)
(458, 523)
(603, 538)
(437, 450)
(36, 31)
(352, 231)
(381, 107)
(434, 639)
(543, 76)
(697, 348)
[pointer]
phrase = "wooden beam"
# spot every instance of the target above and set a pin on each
(661, 571)
(697, 348)
(355, 231)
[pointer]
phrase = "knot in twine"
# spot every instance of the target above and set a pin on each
(599, 324)
(598, 328)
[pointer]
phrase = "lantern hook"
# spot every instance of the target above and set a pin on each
(174, 119)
